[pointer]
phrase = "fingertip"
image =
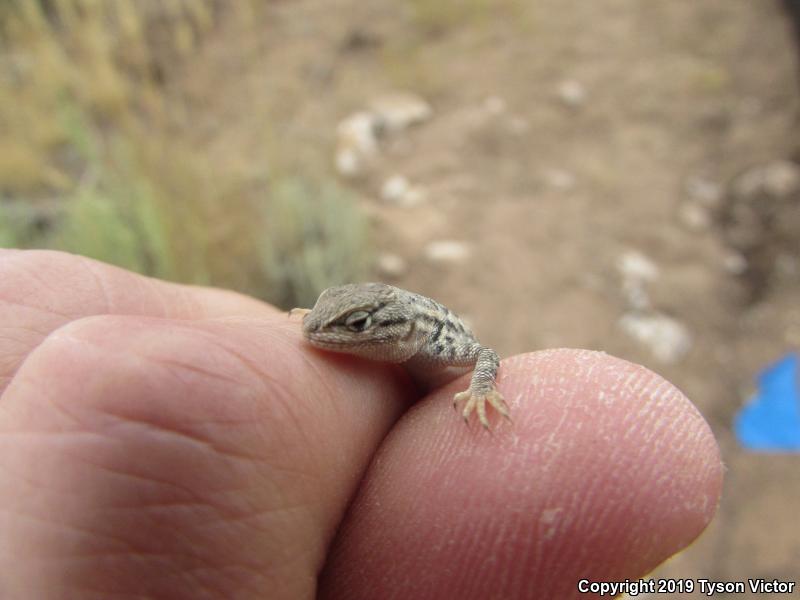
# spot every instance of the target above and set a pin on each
(606, 471)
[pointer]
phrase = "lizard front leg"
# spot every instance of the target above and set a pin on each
(482, 389)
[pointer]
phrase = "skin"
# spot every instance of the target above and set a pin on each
(162, 441)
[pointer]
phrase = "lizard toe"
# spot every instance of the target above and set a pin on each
(476, 401)
(498, 402)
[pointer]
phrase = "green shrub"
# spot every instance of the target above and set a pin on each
(316, 238)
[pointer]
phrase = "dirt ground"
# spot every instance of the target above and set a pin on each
(549, 184)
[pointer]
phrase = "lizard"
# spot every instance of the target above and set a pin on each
(381, 322)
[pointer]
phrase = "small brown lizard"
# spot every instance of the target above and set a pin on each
(384, 323)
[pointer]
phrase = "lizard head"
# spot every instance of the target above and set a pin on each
(366, 319)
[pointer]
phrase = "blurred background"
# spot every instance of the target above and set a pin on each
(614, 175)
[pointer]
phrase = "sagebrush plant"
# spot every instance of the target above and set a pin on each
(91, 160)
(316, 238)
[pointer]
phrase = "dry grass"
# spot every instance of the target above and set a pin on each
(440, 15)
(91, 160)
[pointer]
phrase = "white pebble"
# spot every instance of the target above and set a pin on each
(400, 110)
(636, 270)
(668, 339)
(635, 265)
(391, 265)
(572, 93)
(398, 190)
(734, 263)
(779, 179)
(694, 216)
(395, 188)
(357, 143)
(447, 251)
(703, 190)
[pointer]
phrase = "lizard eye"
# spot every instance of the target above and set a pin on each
(358, 321)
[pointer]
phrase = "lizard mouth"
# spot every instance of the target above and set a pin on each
(326, 341)
(366, 347)
(323, 343)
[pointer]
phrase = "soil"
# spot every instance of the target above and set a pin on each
(549, 192)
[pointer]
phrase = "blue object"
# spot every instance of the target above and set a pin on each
(771, 421)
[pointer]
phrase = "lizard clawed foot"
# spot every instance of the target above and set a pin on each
(476, 401)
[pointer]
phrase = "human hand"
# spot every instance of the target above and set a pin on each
(164, 441)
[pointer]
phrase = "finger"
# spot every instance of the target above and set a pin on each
(181, 459)
(605, 472)
(42, 290)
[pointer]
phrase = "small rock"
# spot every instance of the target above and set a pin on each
(357, 143)
(734, 263)
(447, 251)
(777, 179)
(572, 93)
(560, 179)
(399, 191)
(704, 191)
(401, 110)
(391, 265)
(668, 339)
(694, 216)
(395, 188)
(636, 296)
(636, 271)
(633, 265)
(349, 163)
